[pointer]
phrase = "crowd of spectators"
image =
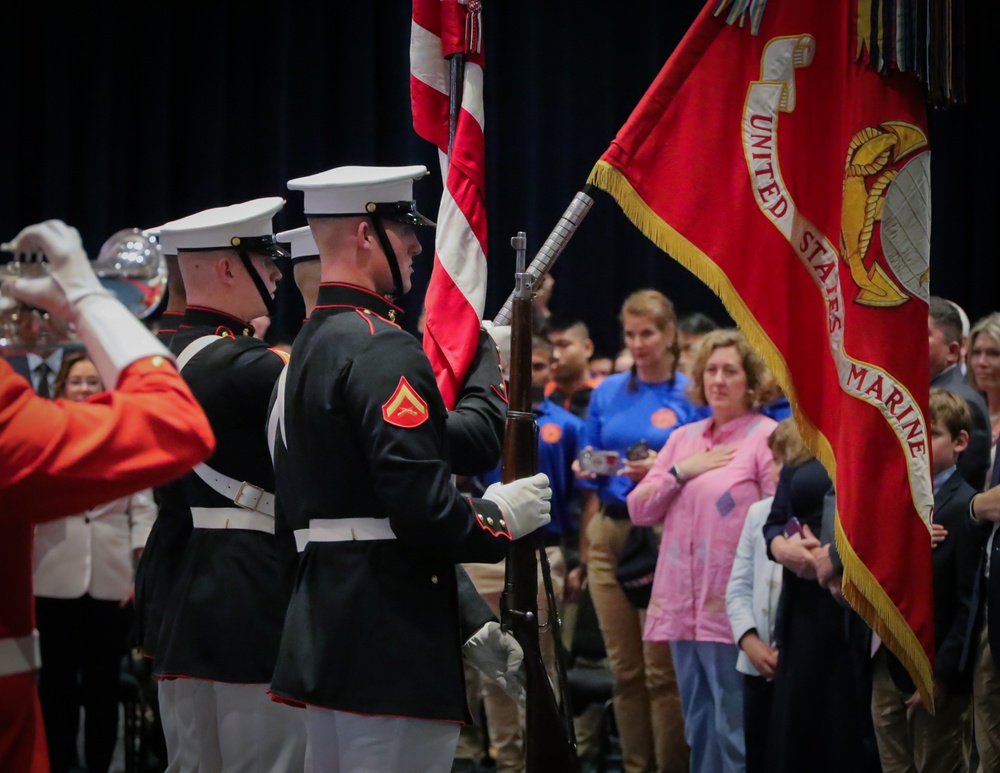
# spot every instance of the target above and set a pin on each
(745, 656)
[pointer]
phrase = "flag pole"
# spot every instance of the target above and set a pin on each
(552, 248)
(457, 81)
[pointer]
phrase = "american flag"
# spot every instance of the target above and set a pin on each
(457, 290)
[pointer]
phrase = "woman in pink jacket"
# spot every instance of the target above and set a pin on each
(700, 488)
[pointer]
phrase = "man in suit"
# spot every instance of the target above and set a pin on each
(944, 339)
(909, 738)
(985, 509)
(40, 368)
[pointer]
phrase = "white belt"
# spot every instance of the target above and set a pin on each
(231, 518)
(344, 530)
(20, 655)
(240, 492)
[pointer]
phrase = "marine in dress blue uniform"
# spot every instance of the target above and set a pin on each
(219, 636)
(373, 639)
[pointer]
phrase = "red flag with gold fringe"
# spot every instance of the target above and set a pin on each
(795, 182)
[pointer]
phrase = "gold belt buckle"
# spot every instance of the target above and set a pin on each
(239, 495)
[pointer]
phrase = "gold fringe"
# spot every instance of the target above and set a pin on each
(861, 589)
(869, 599)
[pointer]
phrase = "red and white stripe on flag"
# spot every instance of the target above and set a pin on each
(457, 291)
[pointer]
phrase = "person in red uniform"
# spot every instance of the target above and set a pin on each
(59, 458)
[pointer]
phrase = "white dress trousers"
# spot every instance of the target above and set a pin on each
(230, 728)
(354, 743)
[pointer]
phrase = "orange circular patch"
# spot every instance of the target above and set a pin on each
(550, 433)
(663, 418)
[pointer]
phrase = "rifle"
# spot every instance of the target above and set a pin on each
(563, 231)
(549, 740)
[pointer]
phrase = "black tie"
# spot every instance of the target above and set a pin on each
(43, 380)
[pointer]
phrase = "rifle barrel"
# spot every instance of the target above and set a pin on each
(553, 247)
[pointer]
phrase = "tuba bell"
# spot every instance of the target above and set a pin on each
(130, 265)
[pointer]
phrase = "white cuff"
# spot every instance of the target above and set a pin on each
(113, 337)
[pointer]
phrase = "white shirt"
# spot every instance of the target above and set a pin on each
(54, 361)
(754, 585)
(91, 553)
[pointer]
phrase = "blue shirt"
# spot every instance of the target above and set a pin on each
(560, 436)
(778, 409)
(619, 418)
(940, 478)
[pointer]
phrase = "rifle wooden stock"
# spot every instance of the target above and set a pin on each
(549, 743)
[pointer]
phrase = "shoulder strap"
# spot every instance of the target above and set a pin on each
(242, 493)
(193, 348)
(276, 421)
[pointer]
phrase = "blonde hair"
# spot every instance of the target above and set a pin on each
(653, 305)
(990, 324)
(658, 309)
(759, 380)
(787, 444)
(952, 411)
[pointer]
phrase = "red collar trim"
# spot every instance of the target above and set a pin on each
(359, 288)
(225, 314)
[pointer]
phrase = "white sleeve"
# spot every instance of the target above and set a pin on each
(141, 514)
(739, 591)
(113, 336)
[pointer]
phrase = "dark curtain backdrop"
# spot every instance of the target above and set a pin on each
(130, 115)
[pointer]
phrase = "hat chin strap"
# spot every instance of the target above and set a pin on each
(265, 296)
(390, 256)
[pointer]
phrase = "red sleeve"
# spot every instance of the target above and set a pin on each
(58, 458)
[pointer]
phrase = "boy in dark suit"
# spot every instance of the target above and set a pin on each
(909, 738)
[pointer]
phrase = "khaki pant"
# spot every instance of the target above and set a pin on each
(504, 720)
(646, 699)
(986, 706)
(910, 740)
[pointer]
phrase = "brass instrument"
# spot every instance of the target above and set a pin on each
(130, 265)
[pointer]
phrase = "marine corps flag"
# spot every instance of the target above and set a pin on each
(795, 183)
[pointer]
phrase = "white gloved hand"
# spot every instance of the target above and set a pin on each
(501, 337)
(525, 503)
(499, 656)
(70, 277)
(71, 291)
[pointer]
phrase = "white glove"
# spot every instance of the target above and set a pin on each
(501, 337)
(525, 503)
(499, 656)
(69, 279)
(71, 291)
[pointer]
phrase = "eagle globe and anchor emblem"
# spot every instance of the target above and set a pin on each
(887, 203)
(885, 216)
